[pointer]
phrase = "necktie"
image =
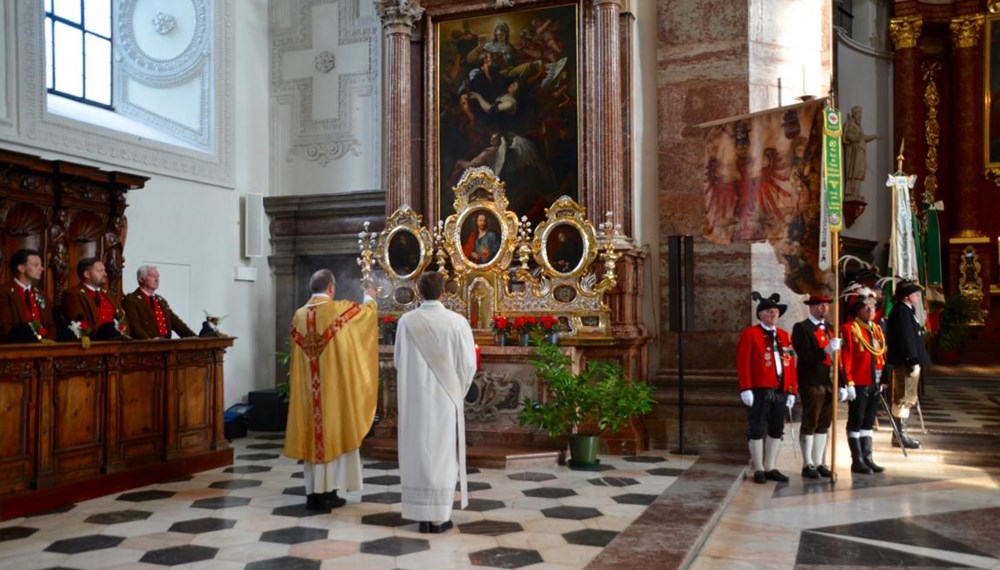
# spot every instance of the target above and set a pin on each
(27, 298)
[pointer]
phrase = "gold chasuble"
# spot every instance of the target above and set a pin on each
(333, 378)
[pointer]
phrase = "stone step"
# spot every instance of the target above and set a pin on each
(952, 448)
(480, 456)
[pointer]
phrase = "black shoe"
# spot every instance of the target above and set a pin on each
(759, 477)
(332, 501)
(439, 528)
(775, 475)
(823, 471)
(427, 527)
(316, 502)
(810, 473)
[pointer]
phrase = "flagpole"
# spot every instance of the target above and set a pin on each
(833, 194)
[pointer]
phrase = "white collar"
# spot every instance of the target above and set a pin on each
(765, 327)
(431, 304)
(22, 285)
(147, 293)
(814, 321)
(91, 287)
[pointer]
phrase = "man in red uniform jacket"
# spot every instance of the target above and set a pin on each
(25, 314)
(89, 302)
(766, 370)
(149, 315)
(863, 359)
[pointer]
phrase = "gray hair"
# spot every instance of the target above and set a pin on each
(321, 281)
(143, 270)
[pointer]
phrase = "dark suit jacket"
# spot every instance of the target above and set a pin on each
(905, 338)
(14, 312)
(78, 303)
(809, 356)
(142, 320)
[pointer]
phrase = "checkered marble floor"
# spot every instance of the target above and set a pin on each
(252, 516)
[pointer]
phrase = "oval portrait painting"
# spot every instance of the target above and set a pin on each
(564, 248)
(404, 253)
(480, 236)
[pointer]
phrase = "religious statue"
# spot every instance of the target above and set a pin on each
(855, 154)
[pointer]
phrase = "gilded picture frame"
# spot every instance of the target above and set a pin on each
(991, 95)
(505, 96)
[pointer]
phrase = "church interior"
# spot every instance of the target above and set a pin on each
(634, 170)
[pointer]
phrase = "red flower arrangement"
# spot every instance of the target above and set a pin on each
(502, 325)
(388, 324)
(549, 324)
(39, 330)
(524, 325)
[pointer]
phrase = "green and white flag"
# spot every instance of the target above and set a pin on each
(902, 247)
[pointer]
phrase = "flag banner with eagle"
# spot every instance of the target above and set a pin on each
(762, 182)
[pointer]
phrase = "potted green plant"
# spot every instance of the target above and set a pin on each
(585, 405)
(954, 328)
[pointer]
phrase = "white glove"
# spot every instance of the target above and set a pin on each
(790, 401)
(834, 344)
(747, 397)
(848, 393)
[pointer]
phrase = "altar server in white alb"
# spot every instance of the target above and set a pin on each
(435, 359)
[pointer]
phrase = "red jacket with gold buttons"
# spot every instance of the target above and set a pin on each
(755, 361)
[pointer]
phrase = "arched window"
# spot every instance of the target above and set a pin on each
(78, 50)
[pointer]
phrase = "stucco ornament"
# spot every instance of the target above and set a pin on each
(325, 62)
(505, 4)
(164, 23)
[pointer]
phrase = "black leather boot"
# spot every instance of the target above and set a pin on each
(857, 464)
(907, 441)
(866, 455)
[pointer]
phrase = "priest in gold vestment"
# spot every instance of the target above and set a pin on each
(333, 390)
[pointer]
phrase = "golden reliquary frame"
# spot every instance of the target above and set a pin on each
(495, 264)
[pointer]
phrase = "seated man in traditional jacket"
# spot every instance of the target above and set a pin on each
(89, 302)
(25, 314)
(149, 315)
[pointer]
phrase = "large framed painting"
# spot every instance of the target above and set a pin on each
(991, 83)
(506, 98)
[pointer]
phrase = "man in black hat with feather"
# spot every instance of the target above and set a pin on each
(766, 370)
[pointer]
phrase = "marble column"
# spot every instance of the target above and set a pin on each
(606, 196)
(398, 19)
(908, 103)
(966, 111)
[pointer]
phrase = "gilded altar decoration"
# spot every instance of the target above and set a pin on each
(970, 283)
(932, 129)
(965, 30)
(905, 31)
(495, 265)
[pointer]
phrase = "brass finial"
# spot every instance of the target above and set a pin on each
(899, 157)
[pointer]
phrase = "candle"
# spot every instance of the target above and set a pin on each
(478, 357)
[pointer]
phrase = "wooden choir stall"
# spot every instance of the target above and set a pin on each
(81, 422)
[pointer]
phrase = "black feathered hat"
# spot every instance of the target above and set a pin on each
(772, 302)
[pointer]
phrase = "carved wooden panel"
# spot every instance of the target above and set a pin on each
(78, 423)
(141, 415)
(17, 423)
(193, 408)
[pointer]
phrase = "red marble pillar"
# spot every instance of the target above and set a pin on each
(398, 18)
(908, 103)
(607, 192)
(966, 111)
